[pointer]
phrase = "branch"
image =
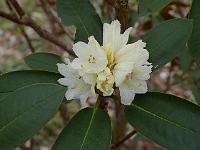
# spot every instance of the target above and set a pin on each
(17, 7)
(28, 40)
(27, 21)
(121, 8)
(128, 136)
(53, 18)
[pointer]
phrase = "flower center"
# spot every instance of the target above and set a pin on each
(110, 56)
(91, 59)
(129, 76)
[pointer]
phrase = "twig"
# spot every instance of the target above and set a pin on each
(168, 81)
(9, 5)
(53, 18)
(27, 21)
(121, 8)
(18, 8)
(64, 113)
(128, 136)
(28, 40)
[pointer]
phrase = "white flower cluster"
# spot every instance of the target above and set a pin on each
(116, 64)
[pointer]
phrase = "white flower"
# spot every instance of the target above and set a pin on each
(91, 57)
(127, 62)
(115, 64)
(105, 82)
(77, 88)
(135, 83)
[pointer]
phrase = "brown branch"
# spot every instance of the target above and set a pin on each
(121, 8)
(27, 21)
(168, 81)
(119, 122)
(128, 136)
(53, 18)
(18, 8)
(28, 40)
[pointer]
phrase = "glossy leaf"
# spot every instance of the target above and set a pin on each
(194, 42)
(24, 112)
(166, 119)
(82, 14)
(43, 61)
(166, 39)
(196, 92)
(195, 74)
(88, 130)
(12, 81)
(2, 95)
(185, 58)
(147, 7)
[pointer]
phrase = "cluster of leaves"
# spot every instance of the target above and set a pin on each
(29, 98)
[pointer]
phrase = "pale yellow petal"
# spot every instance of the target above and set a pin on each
(134, 52)
(121, 70)
(112, 35)
(127, 95)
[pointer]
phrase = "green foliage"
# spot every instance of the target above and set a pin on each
(166, 39)
(147, 7)
(28, 99)
(168, 120)
(29, 110)
(43, 61)
(195, 74)
(12, 81)
(82, 14)
(185, 58)
(196, 92)
(89, 129)
(194, 42)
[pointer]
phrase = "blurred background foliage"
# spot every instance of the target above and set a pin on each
(179, 77)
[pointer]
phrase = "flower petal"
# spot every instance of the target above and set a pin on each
(142, 72)
(138, 86)
(121, 70)
(112, 35)
(89, 78)
(91, 57)
(127, 95)
(66, 82)
(63, 69)
(134, 52)
(80, 49)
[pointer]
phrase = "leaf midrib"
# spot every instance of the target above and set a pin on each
(21, 114)
(39, 61)
(79, 18)
(165, 119)
(88, 129)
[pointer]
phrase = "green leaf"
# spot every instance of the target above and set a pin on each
(132, 18)
(196, 92)
(24, 112)
(43, 61)
(2, 95)
(166, 119)
(194, 42)
(166, 39)
(88, 130)
(147, 7)
(12, 81)
(195, 74)
(156, 19)
(140, 137)
(185, 58)
(82, 14)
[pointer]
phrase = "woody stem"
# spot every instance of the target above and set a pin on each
(119, 120)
